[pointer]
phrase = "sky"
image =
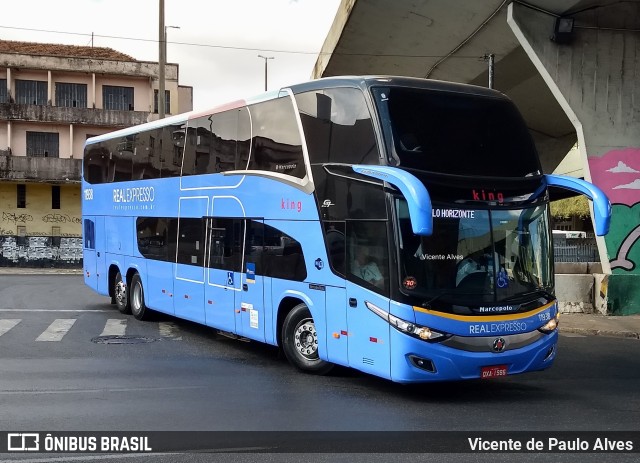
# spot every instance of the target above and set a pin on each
(216, 47)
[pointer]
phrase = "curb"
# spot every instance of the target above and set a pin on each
(40, 271)
(605, 333)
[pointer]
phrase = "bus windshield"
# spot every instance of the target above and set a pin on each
(456, 133)
(476, 255)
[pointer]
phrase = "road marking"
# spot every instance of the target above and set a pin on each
(55, 310)
(6, 325)
(169, 330)
(100, 391)
(114, 327)
(57, 330)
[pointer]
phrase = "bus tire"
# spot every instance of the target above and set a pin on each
(120, 294)
(300, 342)
(136, 298)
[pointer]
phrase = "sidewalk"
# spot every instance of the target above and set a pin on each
(39, 271)
(579, 323)
(627, 326)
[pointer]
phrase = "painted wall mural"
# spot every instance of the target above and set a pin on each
(40, 251)
(618, 174)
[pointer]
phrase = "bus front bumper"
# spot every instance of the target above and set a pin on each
(415, 361)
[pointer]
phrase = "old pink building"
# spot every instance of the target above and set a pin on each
(52, 98)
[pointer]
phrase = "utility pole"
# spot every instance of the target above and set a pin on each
(162, 36)
(491, 58)
(265, 58)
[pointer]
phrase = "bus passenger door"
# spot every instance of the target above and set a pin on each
(102, 273)
(251, 318)
(367, 273)
(222, 288)
(189, 283)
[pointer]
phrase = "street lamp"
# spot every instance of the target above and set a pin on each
(265, 58)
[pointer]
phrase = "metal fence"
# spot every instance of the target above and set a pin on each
(575, 249)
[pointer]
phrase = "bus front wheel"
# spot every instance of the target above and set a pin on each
(300, 341)
(120, 294)
(136, 297)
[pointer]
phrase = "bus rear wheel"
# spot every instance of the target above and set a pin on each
(300, 342)
(121, 295)
(136, 298)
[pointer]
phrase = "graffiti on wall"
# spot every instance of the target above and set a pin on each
(618, 174)
(15, 218)
(60, 218)
(40, 251)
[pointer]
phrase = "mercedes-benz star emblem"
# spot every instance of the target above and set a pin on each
(498, 344)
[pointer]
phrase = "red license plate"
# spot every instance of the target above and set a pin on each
(494, 371)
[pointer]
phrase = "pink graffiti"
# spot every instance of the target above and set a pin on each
(618, 173)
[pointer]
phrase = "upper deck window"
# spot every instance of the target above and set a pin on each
(454, 133)
(275, 142)
(337, 126)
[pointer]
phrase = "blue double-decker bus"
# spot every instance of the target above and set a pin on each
(394, 225)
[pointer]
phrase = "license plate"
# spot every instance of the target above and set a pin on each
(494, 371)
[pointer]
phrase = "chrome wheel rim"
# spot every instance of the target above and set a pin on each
(306, 339)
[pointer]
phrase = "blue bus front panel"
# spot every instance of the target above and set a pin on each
(474, 346)
(415, 360)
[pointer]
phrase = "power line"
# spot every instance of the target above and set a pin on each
(228, 47)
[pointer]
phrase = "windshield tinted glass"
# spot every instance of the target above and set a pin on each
(476, 256)
(456, 133)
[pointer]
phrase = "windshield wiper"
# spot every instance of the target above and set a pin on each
(539, 292)
(428, 302)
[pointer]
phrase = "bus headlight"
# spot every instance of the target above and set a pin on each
(417, 331)
(551, 325)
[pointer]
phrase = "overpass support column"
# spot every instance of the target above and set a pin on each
(595, 76)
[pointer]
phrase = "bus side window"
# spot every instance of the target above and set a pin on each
(243, 139)
(275, 143)
(190, 242)
(367, 253)
(141, 167)
(335, 240)
(254, 245)
(283, 256)
(170, 158)
(224, 134)
(225, 243)
(337, 126)
(152, 237)
(89, 234)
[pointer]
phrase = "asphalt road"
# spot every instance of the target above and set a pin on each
(57, 374)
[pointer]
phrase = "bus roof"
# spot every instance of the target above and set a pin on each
(362, 82)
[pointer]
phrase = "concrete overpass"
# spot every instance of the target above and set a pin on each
(577, 83)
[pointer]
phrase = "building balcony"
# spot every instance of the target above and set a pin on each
(64, 115)
(45, 170)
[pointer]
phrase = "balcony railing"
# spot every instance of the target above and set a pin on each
(31, 169)
(64, 115)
